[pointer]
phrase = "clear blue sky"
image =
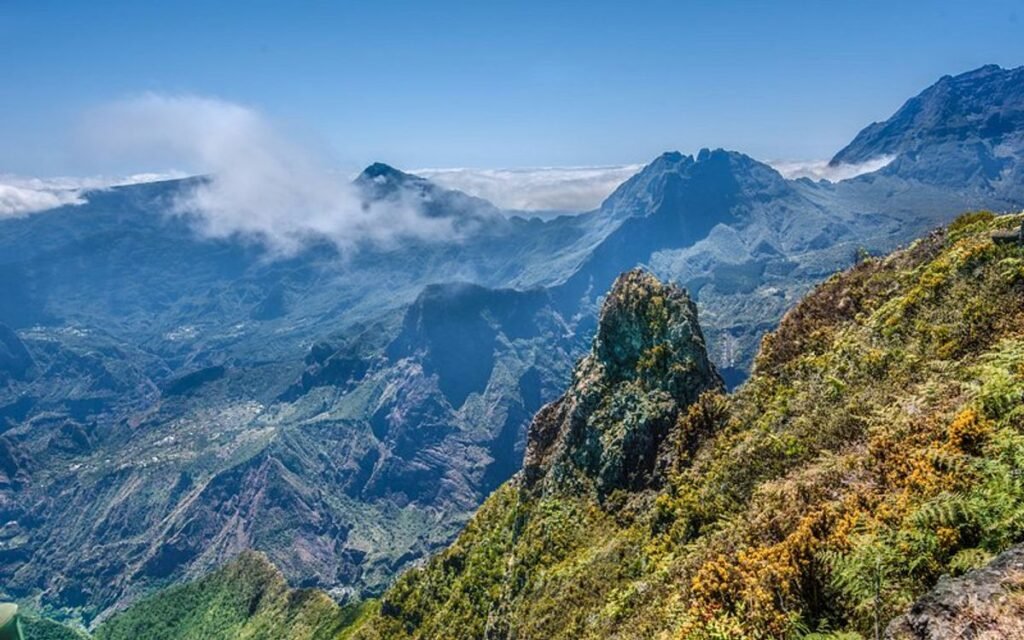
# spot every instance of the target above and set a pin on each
(496, 84)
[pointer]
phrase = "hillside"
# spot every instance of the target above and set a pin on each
(878, 446)
(247, 599)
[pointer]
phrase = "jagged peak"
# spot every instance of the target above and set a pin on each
(984, 103)
(647, 364)
(648, 331)
(380, 179)
(381, 170)
(672, 175)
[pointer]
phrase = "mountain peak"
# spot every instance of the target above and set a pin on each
(647, 364)
(669, 157)
(673, 181)
(648, 331)
(982, 105)
(379, 169)
(380, 173)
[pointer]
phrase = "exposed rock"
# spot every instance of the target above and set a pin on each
(984, 604)
(984, 104)
(1009, 236)
(648, 362)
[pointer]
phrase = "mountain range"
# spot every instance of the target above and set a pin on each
(169, 400)
(865, 481)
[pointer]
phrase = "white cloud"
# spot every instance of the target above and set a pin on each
(17, 200)
(259, 184)
(820, 169)
(23, 195)
(536, 189)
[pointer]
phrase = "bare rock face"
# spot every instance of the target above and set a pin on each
(984, 604)
(648, 362)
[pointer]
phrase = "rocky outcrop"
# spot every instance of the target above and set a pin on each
(986, 603)
(648, 362)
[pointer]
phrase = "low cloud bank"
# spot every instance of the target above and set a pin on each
(21, 196)
(260, 184)
(536, 189)
(820, 169)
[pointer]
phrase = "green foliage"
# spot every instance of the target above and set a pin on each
(33, 628)
(247, 599)
(868, 577)
(879, 445)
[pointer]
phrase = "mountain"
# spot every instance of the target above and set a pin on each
(169, 400)
(870, 471)
(963, 130)
(876, 447)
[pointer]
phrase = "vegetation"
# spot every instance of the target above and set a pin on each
(878, 446)
(246, 599)
(33, 628)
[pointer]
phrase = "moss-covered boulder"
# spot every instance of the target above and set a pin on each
(648, 363)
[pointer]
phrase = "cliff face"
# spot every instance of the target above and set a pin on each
(610, 429)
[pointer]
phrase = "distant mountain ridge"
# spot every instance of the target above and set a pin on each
(986, 104)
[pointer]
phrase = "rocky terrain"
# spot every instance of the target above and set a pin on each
(983, 603)
(876, 448)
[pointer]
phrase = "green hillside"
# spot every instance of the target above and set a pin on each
(878, 446)
(246, 599)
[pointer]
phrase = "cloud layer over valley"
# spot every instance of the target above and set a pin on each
(536, 189)
(260, 183)
(20, 195)
(821, 170)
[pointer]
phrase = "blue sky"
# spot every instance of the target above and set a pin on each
(492, 84)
